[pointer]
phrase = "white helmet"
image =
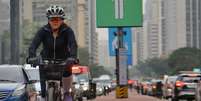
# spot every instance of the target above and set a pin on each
(55, 11)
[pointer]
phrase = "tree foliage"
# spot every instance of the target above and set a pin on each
(83, 56)
(28, 32)
(185, 59)
(154, 67)
(96, 71)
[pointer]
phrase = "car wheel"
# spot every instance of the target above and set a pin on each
(80, 99)
(175, 99)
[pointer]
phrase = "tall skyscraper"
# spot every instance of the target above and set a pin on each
(193, 23)
(138, 43)
(153, 28)
(173, 25)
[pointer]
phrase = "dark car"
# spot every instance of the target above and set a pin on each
(157, 86)
(185, 86)
(13, 83)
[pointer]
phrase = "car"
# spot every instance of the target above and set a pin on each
(168, 86)
(13, 83)
(34, 87)
(185, 85)
(198, 92)
(82, 83)
(99, 89)
(157, 85)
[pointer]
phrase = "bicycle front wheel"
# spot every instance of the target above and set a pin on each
(50, 96)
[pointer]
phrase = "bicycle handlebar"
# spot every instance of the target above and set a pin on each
(48, 61)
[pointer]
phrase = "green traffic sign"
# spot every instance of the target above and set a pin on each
(119, 13)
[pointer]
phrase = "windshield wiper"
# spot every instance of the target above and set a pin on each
(7, 81)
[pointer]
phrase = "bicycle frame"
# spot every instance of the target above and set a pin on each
(52, 71)
(53, 76)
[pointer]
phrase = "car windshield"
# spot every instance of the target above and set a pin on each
(191, 79)
(83, 77)
(12, 74)
(172, 79)
(33, 74)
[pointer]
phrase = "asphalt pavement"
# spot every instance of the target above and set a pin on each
(133, 96)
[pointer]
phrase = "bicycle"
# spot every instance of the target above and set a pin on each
(52, 71)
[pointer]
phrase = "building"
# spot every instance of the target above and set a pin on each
(173, 25)
(104, 57)
(170, 25)
(153, 29)
(26, 11)
(138, 43)
(180, 24)
(193, 24)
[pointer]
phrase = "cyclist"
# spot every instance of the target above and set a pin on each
(59, 42)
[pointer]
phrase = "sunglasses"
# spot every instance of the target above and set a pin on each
(55, 19)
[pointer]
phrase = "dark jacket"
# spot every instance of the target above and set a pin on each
(62, 47)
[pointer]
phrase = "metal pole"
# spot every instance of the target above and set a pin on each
(120, 45)
(14, 29)
(121, 68)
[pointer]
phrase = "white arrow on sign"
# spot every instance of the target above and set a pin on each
(119, 9)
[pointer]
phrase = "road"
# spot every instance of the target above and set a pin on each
(133, 96)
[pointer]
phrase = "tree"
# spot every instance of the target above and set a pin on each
(154, 67)
(5, 50)
(96, 71)
(28, 32)
(83, 56)
(184, 59)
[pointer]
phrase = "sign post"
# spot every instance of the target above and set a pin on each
(119, 13)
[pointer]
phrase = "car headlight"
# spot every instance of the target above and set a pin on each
(19, 91)
(85, 88)
(77, 86)
(100, 89)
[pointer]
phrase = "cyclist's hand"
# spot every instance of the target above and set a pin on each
(34, 61)
(70, 62)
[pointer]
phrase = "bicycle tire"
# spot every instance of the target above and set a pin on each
(50, 94)
(58, 95)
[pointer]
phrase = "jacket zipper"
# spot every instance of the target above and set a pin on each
(54, 48)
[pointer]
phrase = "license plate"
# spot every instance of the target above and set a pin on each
(191, 86)
(187, 93)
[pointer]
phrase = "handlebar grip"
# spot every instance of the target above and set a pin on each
(33, 61)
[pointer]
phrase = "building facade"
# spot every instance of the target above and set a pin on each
(193, 23)
(153, 29)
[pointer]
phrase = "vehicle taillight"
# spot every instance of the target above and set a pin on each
(179, 83)
(154, 86)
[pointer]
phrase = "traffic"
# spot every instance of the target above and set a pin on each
(186, 85)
